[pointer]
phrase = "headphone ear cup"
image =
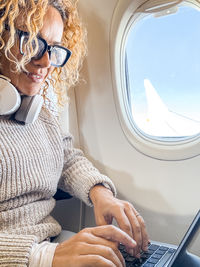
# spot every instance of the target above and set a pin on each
(29, 109)
(10, 99)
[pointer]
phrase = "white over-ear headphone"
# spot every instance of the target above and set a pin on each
(25, 108)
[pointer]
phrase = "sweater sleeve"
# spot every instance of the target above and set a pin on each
(15, 250)
(79, 175)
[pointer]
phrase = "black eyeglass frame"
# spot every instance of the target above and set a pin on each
(47, 48)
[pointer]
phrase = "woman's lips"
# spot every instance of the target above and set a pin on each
(36, 78)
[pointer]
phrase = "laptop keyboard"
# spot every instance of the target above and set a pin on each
(155, 256)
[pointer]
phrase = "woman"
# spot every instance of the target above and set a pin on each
(42, 45)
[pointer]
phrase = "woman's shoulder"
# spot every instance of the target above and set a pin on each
(49, 117)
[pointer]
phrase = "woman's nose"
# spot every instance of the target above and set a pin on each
(44, 61)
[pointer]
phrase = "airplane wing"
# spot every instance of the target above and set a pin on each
(161, 121)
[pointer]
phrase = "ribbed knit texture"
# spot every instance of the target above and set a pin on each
(31, 167)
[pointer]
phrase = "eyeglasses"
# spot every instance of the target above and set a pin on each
(58, 55)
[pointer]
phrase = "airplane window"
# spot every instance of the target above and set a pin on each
(162, 68)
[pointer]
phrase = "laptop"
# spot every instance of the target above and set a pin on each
(166, 255)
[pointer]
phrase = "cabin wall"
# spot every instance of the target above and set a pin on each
(166, 193)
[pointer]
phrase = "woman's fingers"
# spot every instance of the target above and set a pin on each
(94, 260)
(136, 229)
(131, 222)
(98, 244)
(107, 207)
(89, 238)
(103, 220)
(145, 237)
(129, 226)
(114, 234)
(110, 253)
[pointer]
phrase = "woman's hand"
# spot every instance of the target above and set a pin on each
(107, 207)
(97, 246)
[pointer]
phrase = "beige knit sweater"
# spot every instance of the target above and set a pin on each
(34, 160)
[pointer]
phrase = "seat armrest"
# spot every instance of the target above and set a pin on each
(60, 194)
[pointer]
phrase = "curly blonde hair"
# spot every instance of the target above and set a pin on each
(74, 38)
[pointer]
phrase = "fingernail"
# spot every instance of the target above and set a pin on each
(133, 241)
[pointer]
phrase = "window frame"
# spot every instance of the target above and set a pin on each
(125, 16)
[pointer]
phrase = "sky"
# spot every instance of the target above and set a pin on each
(166, 50)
